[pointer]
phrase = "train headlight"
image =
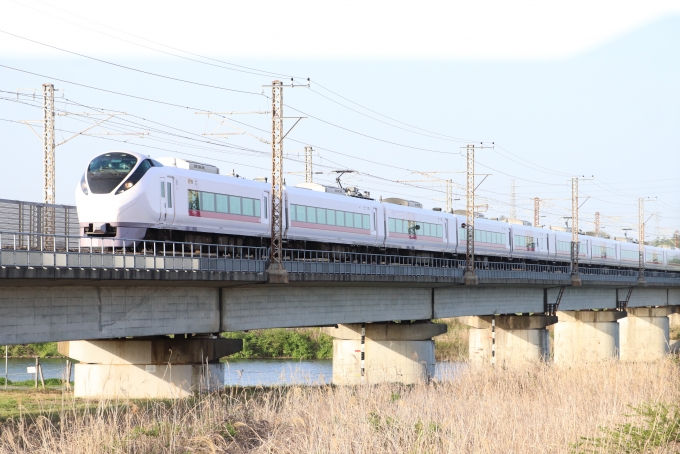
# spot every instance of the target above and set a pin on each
(83, 185)
(128, 185)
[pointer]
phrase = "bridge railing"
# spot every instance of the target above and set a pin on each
(59, 251)
(62, 251)
(331, 262)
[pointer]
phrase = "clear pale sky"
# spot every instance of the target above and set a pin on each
(562, 88)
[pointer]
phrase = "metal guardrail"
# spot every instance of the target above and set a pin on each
(62, 251)
(31, 217)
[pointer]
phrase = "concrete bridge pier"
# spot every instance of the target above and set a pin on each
(644, 334)
(156, 367)
(518, 338)
(383, 352)
(586, 336)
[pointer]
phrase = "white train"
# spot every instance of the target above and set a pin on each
(126, 195)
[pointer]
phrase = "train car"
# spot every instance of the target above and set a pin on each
(655, 258)
(317, 213)
(529, 242)
(129, 196)
(492, 238)
(629, 255)
(673, 259)
(562, 247)
(409, 226)
(604, 251)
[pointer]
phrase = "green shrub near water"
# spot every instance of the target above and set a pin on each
(41, 349)
(283, 343)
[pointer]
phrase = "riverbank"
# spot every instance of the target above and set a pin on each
(538, 408)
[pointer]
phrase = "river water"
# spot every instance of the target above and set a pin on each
(243, 372)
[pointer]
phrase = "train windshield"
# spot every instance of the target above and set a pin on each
(106, 172)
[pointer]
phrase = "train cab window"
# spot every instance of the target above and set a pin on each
(106, 172)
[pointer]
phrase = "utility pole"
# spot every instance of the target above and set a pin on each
(575, 278)
(48, 140)
(537, 211)
(449, 196)
(470, 278)
(513, 206)
(49, 189)
(641, 241)
(309, 174)
(276, 273)
(597, 223)
(48, 144)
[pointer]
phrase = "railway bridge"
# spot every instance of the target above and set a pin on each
(113, 309)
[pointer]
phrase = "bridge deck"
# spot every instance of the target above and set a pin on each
(56, 257)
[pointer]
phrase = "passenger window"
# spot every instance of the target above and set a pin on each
(300, 216)
(194, 203)
(440, 231)
(163, 189)
(169, 195)
(247, 206)
(390, 225)
(311, 215)
(234, 204)
(207, 201)
(340, 218)
(221, 203)
(257, 208)
(266, 213)
(321, 215)
(349, 219)
(367, 221)
(357, 221)
(330, 217)
(426, 229)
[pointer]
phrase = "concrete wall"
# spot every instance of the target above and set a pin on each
(460, 301)
(649, 297)
(72, 313)
(288, 306)
(583, 298)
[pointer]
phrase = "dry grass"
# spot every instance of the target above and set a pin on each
(539, 408)
(452, 345)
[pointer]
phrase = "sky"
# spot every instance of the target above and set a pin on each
(561, 89)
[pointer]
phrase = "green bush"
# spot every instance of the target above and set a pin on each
(658, 426)
(283, 343)
(41, 349)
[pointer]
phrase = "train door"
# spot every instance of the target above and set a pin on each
(170, 200)
(167, 201)
(163, 210)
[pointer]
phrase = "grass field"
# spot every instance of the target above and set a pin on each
(609, 407)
